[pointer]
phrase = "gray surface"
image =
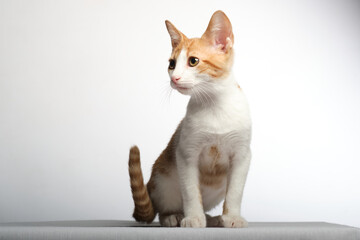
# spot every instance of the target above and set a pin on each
(107, 229)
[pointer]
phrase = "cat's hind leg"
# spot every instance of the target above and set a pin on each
(166, 198)
(171, 220)
(214, 221)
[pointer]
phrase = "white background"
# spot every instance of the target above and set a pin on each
(82, 81)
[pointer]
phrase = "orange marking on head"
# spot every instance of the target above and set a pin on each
(214, 49)
(213, 62)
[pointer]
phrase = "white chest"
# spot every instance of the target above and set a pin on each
(225, 123)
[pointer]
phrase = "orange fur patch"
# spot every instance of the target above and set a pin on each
(213, 174)
(166, 158)
(213, 62)
(225, 208)
(164, 163)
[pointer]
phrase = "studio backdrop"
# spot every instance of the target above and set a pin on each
(83, 81)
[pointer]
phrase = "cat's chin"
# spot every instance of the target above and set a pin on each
(182, 90)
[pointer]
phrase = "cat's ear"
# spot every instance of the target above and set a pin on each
(219, 32)
(175, 35)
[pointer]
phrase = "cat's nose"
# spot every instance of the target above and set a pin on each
(175, 78)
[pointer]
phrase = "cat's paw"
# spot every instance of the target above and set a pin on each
(172, 220)
(194, 221)
(234, 221)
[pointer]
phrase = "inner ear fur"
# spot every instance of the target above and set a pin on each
(219, 32)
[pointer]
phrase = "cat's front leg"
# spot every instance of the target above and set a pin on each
(236, 181)
(189, 182)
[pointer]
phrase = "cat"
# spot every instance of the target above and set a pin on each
(208, 156)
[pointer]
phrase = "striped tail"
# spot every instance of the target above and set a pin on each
(144, 210)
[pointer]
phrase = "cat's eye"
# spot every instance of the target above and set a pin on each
(193, 61)
(172, 64)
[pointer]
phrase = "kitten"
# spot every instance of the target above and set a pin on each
(208, 156)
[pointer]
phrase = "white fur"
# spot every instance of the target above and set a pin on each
(185, 73)
(167, 194)
(180, 68)
(217, 114)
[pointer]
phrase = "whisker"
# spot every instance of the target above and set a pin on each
(204, 89)
(195, 96)
(166, 93)
(200, 96)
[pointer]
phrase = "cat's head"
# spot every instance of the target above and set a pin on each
(198, 64)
